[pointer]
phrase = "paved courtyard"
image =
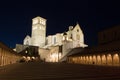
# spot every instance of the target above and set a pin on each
(58, 71)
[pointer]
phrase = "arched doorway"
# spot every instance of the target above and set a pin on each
(83, 59)
(94, 59)
(115, 59)
(98, 59)
(104, 62)
(90, 59)
(0, 56)
(109, 59)
(87, 60)
(79, 59)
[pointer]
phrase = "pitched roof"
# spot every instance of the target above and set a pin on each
(2, 45)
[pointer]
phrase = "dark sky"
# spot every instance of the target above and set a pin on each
(92, 15)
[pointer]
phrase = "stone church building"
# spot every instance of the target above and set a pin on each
(53, 47)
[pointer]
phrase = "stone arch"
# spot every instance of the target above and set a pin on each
(76, 60)
(3, 59)
(98, 59)
(109, 59)
(73, 59)
(79, 59)
(104, 60)
(87, 60)
(94, 59)
(90, 59)
(116, 59)
(0, 56)
(83, 59)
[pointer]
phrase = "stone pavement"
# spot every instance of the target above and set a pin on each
(58, 71)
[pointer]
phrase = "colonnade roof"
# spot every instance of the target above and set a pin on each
(3, 46)
(100, 49)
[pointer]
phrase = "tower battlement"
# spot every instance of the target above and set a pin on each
(38, 31)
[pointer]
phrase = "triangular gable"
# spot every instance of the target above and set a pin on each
(77, 27)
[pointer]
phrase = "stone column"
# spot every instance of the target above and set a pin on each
(0, 57)
(3, 54)
(119, 58)
(4, 57)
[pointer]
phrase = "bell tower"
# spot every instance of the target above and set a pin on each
(38, 31)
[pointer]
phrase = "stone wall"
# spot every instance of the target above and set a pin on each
(7, 55)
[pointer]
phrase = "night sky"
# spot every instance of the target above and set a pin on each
(92, 15)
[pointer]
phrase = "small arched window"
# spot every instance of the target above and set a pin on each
(27, 42)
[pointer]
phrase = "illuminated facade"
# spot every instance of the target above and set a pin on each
(38, 36)
(38, 31)
(74, 35)
(27, 40)
(73, 38)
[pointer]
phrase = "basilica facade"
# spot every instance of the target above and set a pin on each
(54, 47)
